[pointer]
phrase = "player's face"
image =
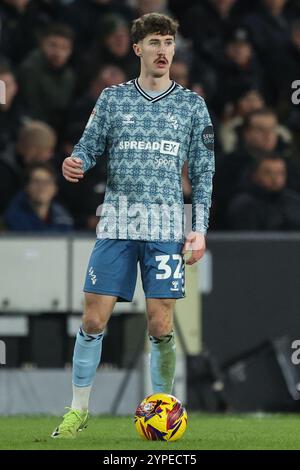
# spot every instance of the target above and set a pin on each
(156, 52)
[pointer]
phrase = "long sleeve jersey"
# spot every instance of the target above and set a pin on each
(147, 140)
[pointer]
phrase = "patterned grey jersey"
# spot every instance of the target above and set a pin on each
(147, 141)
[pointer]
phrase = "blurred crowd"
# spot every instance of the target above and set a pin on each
(242, 56)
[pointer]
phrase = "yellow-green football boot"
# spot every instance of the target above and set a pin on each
(73, 422)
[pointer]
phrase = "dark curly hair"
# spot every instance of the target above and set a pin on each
(153, 23)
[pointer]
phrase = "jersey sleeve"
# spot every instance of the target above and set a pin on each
(93, 141)
(201, 163)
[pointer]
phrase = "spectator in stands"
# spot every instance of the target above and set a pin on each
(237, 65)
(36, 144)
(34, 210)
(292, 60)
(267, 204)
(205, 24)
(193, 74)
(259, 135)
(112, 46)
(20, 22)
(269, 32)
(287, 70)
(261, 131)
(11, 113)
(203, 76)
(83, 16)
(196, 78)
(246, 100)
(269, 29)
(106, 76)
(46, 80)
(180, 72)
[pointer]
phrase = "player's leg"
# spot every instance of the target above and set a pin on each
(163, 351)
(111, 274)
(86, 358)
(162, 269)
(88, 347)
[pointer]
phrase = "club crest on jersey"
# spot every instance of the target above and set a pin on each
(128, 119)
(173, 121)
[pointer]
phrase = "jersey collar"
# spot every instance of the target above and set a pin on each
(150, 98)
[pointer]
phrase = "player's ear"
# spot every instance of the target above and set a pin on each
(137, 50)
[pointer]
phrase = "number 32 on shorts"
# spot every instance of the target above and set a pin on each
(163, 265)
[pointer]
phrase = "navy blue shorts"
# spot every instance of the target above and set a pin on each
(112, 269)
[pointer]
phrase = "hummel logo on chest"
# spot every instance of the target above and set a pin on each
(128, 119)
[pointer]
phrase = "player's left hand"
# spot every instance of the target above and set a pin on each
(194, 242)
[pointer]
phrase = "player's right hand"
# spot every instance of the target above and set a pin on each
(72, 169)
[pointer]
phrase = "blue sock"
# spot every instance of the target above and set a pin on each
(162, 363)
(86, 357)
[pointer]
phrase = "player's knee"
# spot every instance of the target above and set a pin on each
(93, 325)
(95, 315)
(160, 318)
(159, 327)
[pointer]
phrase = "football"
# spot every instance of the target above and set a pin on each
(160, 417)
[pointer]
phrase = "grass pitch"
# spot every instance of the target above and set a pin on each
(212, 432)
